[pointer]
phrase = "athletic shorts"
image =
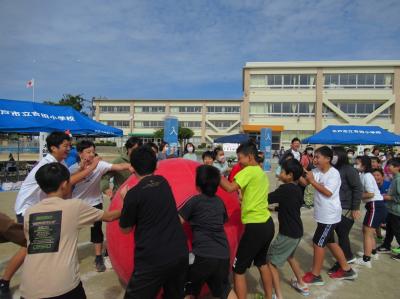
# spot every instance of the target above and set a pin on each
(376, 213)
(324, 234)
(212, 271)
(148, 283)
(253, 246)
(282, 248)
(77, 293)
(96, 231)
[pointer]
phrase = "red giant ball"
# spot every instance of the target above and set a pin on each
(180, 174)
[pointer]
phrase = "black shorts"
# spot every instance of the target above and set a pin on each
(77, 293)
(253, 246)
(324, 234)
(147, 284)
(96, 231)
(214, 272)
(376, 214)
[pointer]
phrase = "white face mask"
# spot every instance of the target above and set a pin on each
(334, 160)
(358, 167)
(350, 155)
(221, 159)
(310, 152)
(190, 149)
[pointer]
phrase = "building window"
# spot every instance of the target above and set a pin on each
(283, 81)
(223, 124)
(283, 109)
(115, 109)
(359, 109)
(223, 109)
(190, 124)
(149, 124)
(149, 109)
(358, 81)
(118, 123)
(186, 109)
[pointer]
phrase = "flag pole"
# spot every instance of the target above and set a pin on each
(33, 90)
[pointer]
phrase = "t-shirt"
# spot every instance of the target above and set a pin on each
(328, 210)
(222, 167)
(89, 189)
(296, 155)
(369, 185)
(290, 199)
(207, 216)
(51, 227)
(159, 238)
(190, 156)
(30, 192)
(384, 188)
(254, 185)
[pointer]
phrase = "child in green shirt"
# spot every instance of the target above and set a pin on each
(259, 226)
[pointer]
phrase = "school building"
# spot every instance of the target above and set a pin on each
(292, 98)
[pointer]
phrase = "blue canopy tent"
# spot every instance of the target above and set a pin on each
(29, 117)
(357, 135)
(236, 138)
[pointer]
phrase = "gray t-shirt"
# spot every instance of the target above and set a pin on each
(207, 216)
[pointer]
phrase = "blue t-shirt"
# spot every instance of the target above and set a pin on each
(72, 158)
(384, 189)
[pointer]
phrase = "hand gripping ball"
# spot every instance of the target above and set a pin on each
(181, 175)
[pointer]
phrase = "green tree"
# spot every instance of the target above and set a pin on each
(74, 101)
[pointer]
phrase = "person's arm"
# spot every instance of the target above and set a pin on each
(320, 188)
(109, 216)
(277, 195)
(185, 212)
(228, 186)
(128, 214)
(105, 182)
(121, 167)
(181, 219)
(10, 231)
(83, 173)
(369, 190)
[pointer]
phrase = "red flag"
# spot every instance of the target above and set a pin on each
(30, 83)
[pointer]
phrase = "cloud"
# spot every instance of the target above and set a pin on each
(182, 48)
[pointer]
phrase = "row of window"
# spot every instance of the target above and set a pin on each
(362, 109)
(283, 81)
(345, 80)
(160, 124)
(222, 124)
(173, 109)
(283, 109)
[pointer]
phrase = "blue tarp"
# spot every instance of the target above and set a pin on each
(29, 117)
(371, 135)
(237, 138)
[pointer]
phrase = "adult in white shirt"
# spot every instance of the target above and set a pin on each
(294, 150)
(376, 209)
(327, 212)
(89, 191)
(59, 145)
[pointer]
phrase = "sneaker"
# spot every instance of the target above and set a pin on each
(396, 250)
(373, 256)
(304, 290)
(352, 260)
(99, 262)
(361, 262)
(383, 249)
(4, 287)
(396, 257)
(311, 279)
(334, 268)
(344, 275)
(107, 262)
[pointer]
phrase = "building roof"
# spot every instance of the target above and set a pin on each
(305, 64)
(171, 100)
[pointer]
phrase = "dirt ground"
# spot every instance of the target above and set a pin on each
(379, 282)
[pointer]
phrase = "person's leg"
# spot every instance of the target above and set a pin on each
(275, 280)
(369, 241)
(318, 259)
(266, 279)
(296, 270)
(175, 279)
(343, 231)
(396, 227)
(240, 285)
(387, 242)
(146, 284)
(337, 252)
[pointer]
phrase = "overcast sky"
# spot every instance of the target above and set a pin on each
(178, 49)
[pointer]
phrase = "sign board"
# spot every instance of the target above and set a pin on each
(43, 151)
(230, 147)
(265, 147)
(171, 128)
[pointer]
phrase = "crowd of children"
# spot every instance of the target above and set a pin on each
(48, 225)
